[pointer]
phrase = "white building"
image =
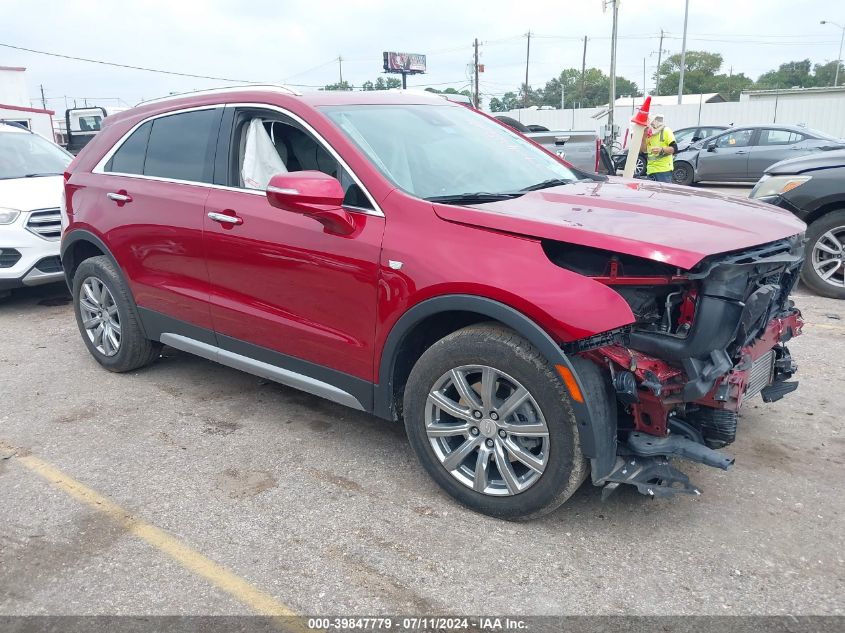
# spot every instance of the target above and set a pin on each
(14, 103)
(793, 95)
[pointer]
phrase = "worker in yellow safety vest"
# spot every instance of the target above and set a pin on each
(659, 145)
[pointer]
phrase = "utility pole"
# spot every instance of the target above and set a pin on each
(43, 100)
(659, 60)
(644, 90)
(612, 102)
(583, 71)
(475, 72)
(683, 55)
(527, 57)
(340, 68)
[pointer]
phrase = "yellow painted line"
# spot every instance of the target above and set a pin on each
(826, 326)
(185, 555)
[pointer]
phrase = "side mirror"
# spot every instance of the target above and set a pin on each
(313, 194)
(711, 147)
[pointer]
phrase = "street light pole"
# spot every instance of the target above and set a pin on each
(683, 56)
(612, 92)
(838, 59)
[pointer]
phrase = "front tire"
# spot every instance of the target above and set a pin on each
(107, 318)
(683, 173)
(824, 267)
(491, 422)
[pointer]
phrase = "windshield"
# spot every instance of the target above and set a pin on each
(24, 155)
(684, 136)
(442, 151)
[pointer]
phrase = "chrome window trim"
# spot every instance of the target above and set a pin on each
(99, 168)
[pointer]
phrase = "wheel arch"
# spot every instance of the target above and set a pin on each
(430, 320)
(79, 245)
(824, 209)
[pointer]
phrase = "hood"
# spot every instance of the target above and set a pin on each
(666, 223)
(26, 194)
(816, 160)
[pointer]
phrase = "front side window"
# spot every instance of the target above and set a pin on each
(25, 155)
(178, 147)
(271, 144)
(739, 138)
(440, 151)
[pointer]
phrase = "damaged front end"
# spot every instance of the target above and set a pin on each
(704, 340)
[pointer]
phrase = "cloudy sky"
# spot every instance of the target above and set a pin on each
(298, 42)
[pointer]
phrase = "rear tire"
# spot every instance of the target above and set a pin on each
(516, 364)
(683, 173)
(818, 239)
(108, 319)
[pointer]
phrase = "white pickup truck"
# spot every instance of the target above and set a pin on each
(581, 148)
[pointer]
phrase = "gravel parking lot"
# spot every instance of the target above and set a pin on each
(190, 488)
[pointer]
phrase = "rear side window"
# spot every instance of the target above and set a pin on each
(129, 158)
(779, 137)
(180, 146)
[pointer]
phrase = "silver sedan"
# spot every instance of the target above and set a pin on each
(743, 153)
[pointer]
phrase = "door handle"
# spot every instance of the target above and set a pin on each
(225, 219)
(741, 152)
(119, 197)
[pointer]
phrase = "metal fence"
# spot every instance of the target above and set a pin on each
(824, 114)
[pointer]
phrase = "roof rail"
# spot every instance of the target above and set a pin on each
(212, 91)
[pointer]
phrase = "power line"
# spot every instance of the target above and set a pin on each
(115, 64)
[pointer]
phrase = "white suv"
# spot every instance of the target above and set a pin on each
(31, 178)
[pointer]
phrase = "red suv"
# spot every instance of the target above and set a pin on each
(412, 258)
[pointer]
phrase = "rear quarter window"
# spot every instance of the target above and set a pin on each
(180, 146)
(129, 158)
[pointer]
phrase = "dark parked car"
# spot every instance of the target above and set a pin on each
(813, 188)
(743, 153)
(412, 258)
(684, 137)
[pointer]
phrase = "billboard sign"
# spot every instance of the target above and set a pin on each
(405, 63)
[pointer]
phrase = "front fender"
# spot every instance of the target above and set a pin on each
(597, 431)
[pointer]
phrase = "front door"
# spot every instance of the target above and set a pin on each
(728, 160)
(283, 290)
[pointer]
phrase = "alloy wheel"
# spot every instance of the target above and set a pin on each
(828, 257)
(487, 430)
(100, 316)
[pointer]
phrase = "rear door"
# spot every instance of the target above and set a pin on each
(773, 145)
(284, 291)
(728, 160)
(151, 193)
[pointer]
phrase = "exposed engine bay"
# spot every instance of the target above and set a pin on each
(703, 341)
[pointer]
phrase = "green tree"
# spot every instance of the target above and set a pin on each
(450, 91)
(509, 101)
(789, 75)
(731, 85)
(823, 74)
(701, 73)
(343, 85)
